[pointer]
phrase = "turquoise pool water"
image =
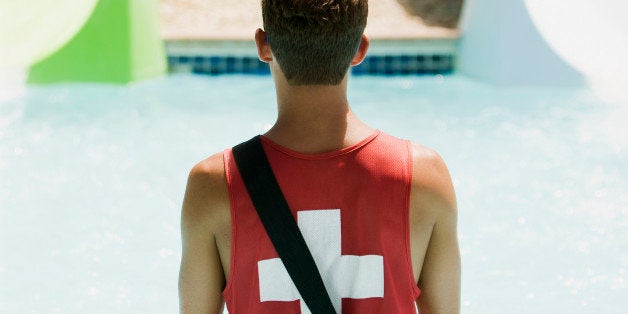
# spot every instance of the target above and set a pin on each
(92, 178)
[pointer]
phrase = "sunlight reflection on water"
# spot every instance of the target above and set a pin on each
(92, 178)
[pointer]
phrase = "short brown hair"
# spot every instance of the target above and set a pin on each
(314, 41)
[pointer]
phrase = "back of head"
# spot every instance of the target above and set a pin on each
(314, 41)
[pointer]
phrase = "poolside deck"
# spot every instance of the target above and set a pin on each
(207, 20)
(216, 36)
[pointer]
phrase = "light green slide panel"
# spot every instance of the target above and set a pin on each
(31, 30)
(118, 43)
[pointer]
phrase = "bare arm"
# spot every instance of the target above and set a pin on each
(201, 276)
(433, 195)
(440, 276)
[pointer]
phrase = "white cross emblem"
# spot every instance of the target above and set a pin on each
(345, 276)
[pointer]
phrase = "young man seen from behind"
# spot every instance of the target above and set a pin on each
(378, 213)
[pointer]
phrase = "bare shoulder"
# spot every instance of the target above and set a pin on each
(205, 226)
(432, 189)
(433, 231)
(206, 195)
(206, 212)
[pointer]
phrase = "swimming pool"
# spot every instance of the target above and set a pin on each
(92, 178)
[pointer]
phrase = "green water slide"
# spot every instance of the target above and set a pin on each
(114, 41)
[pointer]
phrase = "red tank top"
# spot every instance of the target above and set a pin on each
(352, 208)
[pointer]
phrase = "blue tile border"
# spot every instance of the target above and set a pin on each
(406, 65)
(420, 64)
(215, 65)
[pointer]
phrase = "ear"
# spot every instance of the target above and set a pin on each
(361, 53)
(263, 47)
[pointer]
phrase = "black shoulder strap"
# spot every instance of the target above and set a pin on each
(280, 225)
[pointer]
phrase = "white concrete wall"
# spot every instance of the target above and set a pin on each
(500, 44)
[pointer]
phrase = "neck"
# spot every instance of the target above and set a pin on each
(315, 118)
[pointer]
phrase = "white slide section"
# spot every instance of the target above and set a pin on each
(31, 30)
(545, 42)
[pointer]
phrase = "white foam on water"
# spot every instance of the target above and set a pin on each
(12, 83)
(92, 179)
